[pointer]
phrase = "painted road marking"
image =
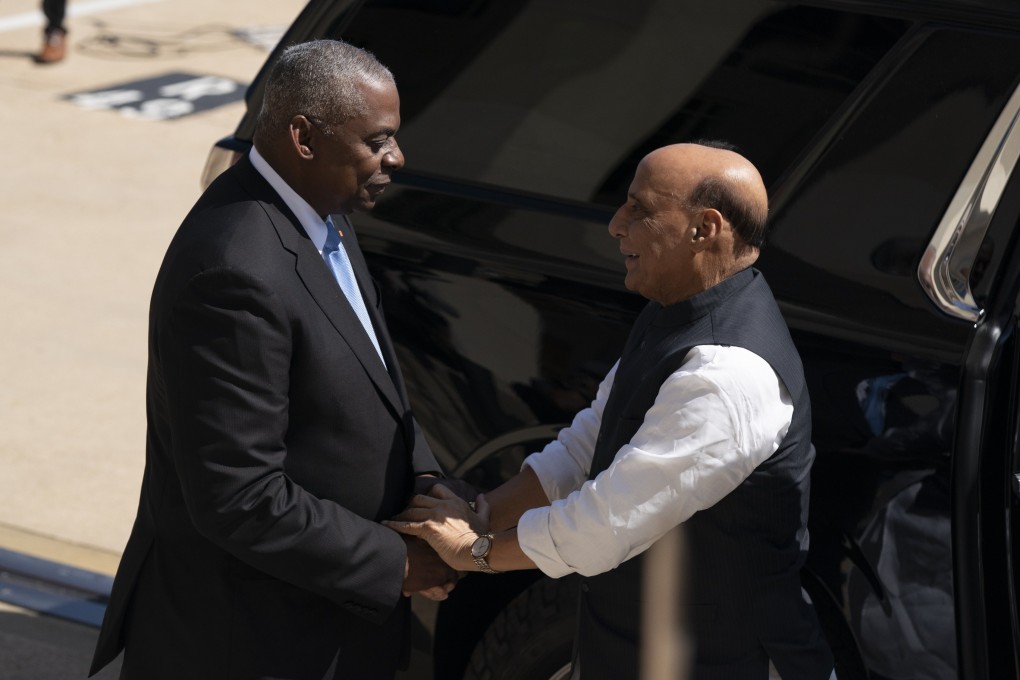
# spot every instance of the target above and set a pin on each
(164, 97)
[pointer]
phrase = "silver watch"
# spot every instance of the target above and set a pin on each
(480, 550)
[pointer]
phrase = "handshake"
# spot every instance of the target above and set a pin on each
(439, 525)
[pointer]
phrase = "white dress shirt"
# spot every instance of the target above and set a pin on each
(317, 230)
(715, 419)
(310, 221)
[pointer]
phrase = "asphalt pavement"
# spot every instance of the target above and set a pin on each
(102, 155)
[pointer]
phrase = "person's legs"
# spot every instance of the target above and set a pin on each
(54, 11)
(55, 35)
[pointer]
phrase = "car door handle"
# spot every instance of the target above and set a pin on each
(944, 271)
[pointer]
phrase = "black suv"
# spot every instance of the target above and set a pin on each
(887, 133)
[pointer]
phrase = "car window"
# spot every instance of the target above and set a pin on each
(563, 97)
(860, 220)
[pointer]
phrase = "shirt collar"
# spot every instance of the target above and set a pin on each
(310, 221)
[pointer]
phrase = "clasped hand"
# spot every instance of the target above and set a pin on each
(446, 522)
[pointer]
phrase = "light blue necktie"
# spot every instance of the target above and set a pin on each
(335, 255)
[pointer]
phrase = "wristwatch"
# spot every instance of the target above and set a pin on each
(480, 550)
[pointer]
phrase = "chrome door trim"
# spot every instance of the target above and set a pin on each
(944, 272)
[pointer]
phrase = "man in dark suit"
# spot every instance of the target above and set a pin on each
(279, 431)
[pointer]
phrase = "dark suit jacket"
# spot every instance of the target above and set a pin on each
(277, 441)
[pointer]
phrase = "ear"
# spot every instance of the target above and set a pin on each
(301, 136)
(706, 228)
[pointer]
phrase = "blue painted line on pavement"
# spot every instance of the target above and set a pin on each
(53, 589)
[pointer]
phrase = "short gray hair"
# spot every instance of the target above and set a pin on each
(320, 79)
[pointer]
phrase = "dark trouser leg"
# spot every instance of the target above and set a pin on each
(55, 36)
(54, 11)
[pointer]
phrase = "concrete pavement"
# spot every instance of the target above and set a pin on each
(90, 198)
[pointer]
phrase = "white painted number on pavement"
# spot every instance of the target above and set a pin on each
(190, 90)
(159, 109)
(107, 99)
(163, 98)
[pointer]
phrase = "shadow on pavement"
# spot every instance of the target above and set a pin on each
(20, 54)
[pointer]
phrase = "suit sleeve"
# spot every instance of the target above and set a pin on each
(226, 353)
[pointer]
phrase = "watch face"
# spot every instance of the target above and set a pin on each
(480, 548)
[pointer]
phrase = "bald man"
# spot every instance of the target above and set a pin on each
(704, 421)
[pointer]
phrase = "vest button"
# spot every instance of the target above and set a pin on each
(584, 587)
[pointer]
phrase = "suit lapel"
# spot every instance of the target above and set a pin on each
(320, 284)
(370, 295)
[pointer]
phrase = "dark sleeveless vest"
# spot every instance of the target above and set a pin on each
(742, 597)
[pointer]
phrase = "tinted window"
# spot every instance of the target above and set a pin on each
(563, 97)
(862, 217)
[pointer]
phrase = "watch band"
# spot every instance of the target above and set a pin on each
(480, 560)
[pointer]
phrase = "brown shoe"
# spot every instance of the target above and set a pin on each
(54, 47)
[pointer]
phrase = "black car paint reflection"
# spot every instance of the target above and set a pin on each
(880, 517)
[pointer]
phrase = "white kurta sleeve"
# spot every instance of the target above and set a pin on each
(714, 420)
